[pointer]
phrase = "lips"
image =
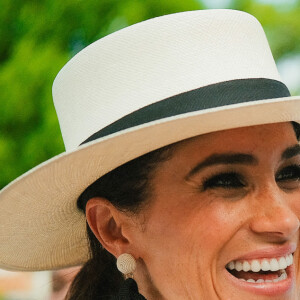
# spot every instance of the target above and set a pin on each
(268, 271)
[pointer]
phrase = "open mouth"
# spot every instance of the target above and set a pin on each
(261, 270)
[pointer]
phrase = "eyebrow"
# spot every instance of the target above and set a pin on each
(290, 152)
(238, 158)
(224, 159)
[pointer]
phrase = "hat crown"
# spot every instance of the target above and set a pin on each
(153, 60)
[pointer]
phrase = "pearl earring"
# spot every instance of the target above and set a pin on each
(126, 264)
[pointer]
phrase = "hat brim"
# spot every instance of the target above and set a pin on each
(41, 227)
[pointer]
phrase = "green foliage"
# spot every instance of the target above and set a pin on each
(282, 26)
(39, 37)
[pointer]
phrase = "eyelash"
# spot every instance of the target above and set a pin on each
(234, 180)
(292, 172)
(227, 180)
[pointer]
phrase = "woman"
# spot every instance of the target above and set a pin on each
(187, 168)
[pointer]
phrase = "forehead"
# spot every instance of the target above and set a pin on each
(267, 141)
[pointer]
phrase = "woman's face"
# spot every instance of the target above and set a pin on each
(224, 200)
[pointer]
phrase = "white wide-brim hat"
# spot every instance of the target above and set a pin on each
(134, 91)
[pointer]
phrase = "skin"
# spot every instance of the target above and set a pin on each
(193, 227)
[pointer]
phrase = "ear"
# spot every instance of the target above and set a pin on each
(107, 224)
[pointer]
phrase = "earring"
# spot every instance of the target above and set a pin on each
(126, 264)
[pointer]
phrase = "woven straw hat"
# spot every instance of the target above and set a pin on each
(136, 90)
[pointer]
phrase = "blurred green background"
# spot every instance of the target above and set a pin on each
(39, 37)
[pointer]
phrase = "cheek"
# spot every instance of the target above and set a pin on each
(296, 206)
(214, 227)
(192, 231)
(188, 240)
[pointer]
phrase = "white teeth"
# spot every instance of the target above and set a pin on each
(274, 264)
(238, 266)
(265, 264)
(283, 276)
(282, 263)
(231, 265)
(288, 260)
(246, 266)
(255, 266)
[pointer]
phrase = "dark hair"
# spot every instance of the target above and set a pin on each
(127, 188)
(296, 127)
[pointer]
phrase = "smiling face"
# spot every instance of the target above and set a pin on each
(224, 201)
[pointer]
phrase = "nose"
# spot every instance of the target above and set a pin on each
(274, 216)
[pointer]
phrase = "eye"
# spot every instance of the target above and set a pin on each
(230, 180)
(289, 177)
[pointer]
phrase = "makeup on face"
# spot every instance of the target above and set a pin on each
(226, 209)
